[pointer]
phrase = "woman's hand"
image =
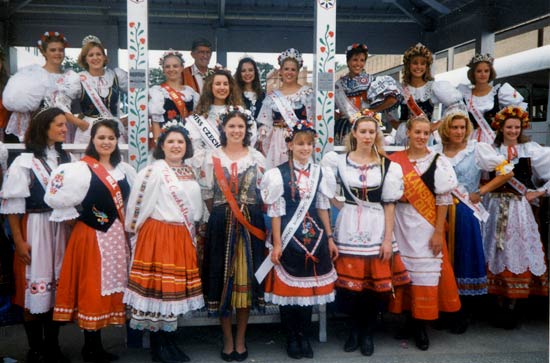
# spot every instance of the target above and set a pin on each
(436, 243)
(23, 250)
(475, 197)
(530, 196)
(83, 125)
(385, 250)
(332, 249)
(276, 254)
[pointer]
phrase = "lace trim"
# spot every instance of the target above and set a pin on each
(164, 308)
(313, 281)
(299, 300)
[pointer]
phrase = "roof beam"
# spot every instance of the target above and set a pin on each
(437, 6)
(412, 12)
(19, 7)
(221, 13)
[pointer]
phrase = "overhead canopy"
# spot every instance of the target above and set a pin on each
(387, 26)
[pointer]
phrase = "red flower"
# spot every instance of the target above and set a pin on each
(143, 139)
(171, 114)
(132, 56)
(142, 40)
(330, 95)
(132, 89)
(331, 33)
(132, 157)
(322, 49)
(317, 149)
(330, 140)
(330, 70)
(132, 24)
(132, 123)
(319, 117)
(142, 107)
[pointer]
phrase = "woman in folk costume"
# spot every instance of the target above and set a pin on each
(419, 230)
(484, 100)
(359, 90)
(516, 265)
(39, 243)
(469, 158)
(97, 88)
(95, 268)
(369, 266)
(247, 76)
(420, 92)
(36, 86)
(298, 194)
(172, 100)
(235, 235)
(283, 108)
(164, 280)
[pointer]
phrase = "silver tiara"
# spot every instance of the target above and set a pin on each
(481, 58)
(90, 38)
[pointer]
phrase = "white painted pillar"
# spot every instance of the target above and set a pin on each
(138, 40)
(323, 75)
(485, 43)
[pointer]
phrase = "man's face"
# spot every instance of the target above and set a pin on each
(202, 56)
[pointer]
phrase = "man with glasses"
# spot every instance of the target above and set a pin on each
(194, 75)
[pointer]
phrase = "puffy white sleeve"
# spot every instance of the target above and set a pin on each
(156, 104)
(272, 190)
(487, 158)
(142, 200)
(540, 162)
(3, 158)
(129, 171)
(68, 90)
(25, 89)
(265, 117)
(66, 189)
(508, 96)
(330, 160)
(16, 185)
(444, 92)
(122, 76)
(445, 181)
(393, 187)
(381, 88)
(327, 188)
(342, 102)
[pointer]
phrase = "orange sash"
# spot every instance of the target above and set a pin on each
(189, 80)
(224, 186)
(176, 97)
(411, 103)
(109, 182)
(416, 192)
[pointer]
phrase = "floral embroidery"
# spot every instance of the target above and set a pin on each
(57, 182)
(102, 218)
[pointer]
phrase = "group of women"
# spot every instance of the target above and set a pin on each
(96, 243)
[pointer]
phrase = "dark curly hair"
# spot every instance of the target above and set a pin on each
(36, 137)
(115, 158)
(158, 153)
(359, 49)
(207, 97)
(229, 116)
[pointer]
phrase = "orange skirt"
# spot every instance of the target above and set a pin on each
(359, 273)
(517, 286)
(425, 302)
(79, 292)
(164, 277)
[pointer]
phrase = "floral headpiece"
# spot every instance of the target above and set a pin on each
(172, 125)
(481, 58)
(90, 39)
(300, 126)
(248, 115)
(291, 53)
(367, 113)
(47, 35)
(510, 112)
(419, 50)
(171, 53)
(357, 45)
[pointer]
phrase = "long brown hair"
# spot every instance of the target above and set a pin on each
(207, 97)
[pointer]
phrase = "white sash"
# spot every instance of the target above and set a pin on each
(42, 174)
(209, 135)
(344, 104)
(483, 125)
(295, 221)
(171, 181)
(285, 108)
(94, 96)
(479, 210)
(517, 185)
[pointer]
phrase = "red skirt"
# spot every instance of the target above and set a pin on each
(425, 302)
(359, 273)
(79, 295)
(517, 286)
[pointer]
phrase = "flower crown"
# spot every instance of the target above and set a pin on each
(419, 50)
(357, 45)
(171, 53)
(367, 113)
(90, 39)
(481, 58)
(291, 53)
(47, 35)
(229, 109)
(174, 124)
(510, 112)
(300, 126)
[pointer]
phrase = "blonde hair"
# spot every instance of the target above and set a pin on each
(412, 120)
(84, 52)
(445, 126)
(351, 142)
